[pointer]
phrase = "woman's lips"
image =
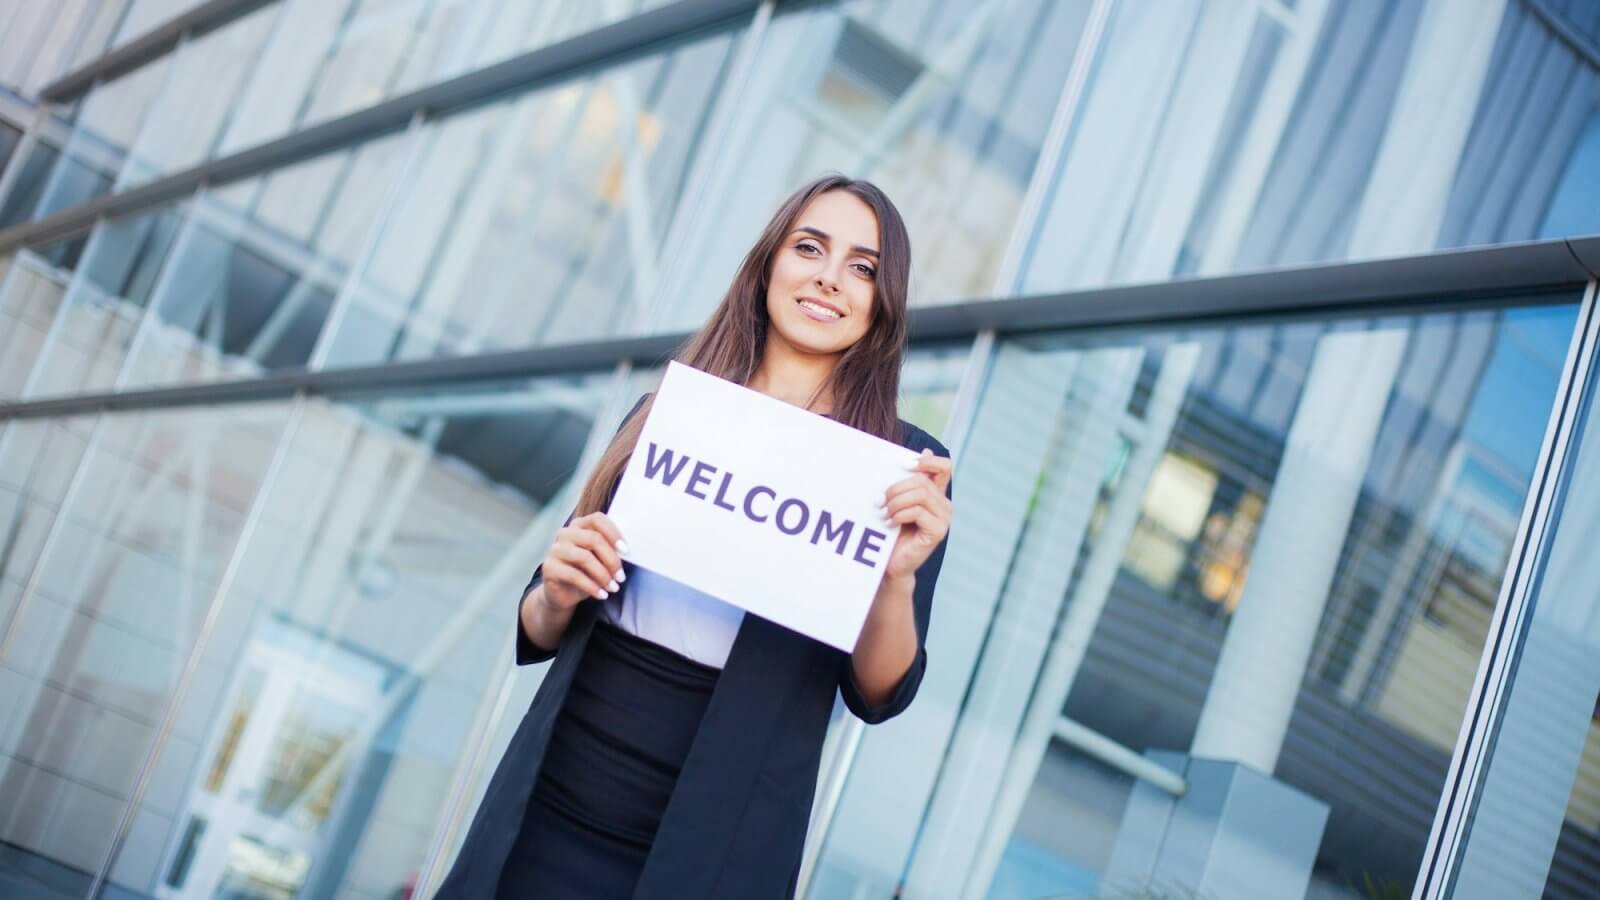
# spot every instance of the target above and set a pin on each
(819, 311)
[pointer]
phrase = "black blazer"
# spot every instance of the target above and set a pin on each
(736, 822)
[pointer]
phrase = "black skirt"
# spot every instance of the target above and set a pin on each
(614, 755)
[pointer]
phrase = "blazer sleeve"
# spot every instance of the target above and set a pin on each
(528, 652)
(922, 609)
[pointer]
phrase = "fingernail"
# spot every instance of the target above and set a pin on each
(622, 546)
(613, 586)
(621, 575)
(601, 595)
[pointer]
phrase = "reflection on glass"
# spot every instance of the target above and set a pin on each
(361, 642)
(35, 39)
(256, 269)
(1275, 586)
(333, 58)
(184, 125)
(98, 24)
(1536, 821)
(1270, 138)
(259, 872)
(34, 166)
(283, 67)
(539, 221)
(99, 318)
(945, 106)
(117, 536)
(104, 125)
(33, 285)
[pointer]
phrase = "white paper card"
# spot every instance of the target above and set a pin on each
(760, 504)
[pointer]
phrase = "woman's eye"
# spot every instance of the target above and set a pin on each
(866, 270)
(807, 247)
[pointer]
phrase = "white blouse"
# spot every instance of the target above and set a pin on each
(675, 616)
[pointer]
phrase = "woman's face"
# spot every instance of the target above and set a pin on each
(823, 283)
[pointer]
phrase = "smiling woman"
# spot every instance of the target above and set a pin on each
(579, 807)
(821, 290)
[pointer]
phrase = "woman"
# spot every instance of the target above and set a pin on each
(672, 750)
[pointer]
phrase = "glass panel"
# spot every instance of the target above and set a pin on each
(241, 279)
(362, 643)
(332, 58)
(1536, 829)
(27, 188)
(84, 146)
(32, 287)
(1335, 132)
(928, 384)
(281, 68)
(167, 115)
(257, 267)
(107, 587)
(539, 221)
(99, 25)
(1573, 210)
(105, 301)
(18, 23)
(943, 105)
(1254, 566)
(32, 39)
(10, 137)
(184, 126)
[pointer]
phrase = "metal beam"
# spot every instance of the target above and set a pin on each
(1448, 279)
(1587, 252)
(512, 364)
(605, 47)
(1491, 277)
(153, 44)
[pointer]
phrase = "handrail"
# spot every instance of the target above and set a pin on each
(1118, 757)
(158, 41)
(1491, 277)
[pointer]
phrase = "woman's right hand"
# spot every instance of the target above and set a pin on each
(584, 561)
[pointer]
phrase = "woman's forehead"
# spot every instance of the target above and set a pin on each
(843, 217)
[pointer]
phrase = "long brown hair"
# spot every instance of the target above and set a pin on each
(866, 382)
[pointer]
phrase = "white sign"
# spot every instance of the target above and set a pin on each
(760, 504)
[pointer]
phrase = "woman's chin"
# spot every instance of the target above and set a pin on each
(802, 337)
(813, 347)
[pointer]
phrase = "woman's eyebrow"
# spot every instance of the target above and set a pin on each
(818, 232)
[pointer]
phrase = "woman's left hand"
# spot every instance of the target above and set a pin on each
(919, 506)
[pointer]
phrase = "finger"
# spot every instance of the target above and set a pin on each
(922, 496)
(600, 545)
(938, 468)
(915, 482)
(561, 573)
(586, 562)
(602, 523)
(932, 462)
(927, 524)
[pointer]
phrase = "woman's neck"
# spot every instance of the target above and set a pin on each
(793, 377)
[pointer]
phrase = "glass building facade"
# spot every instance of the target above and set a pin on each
(1264, 333)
